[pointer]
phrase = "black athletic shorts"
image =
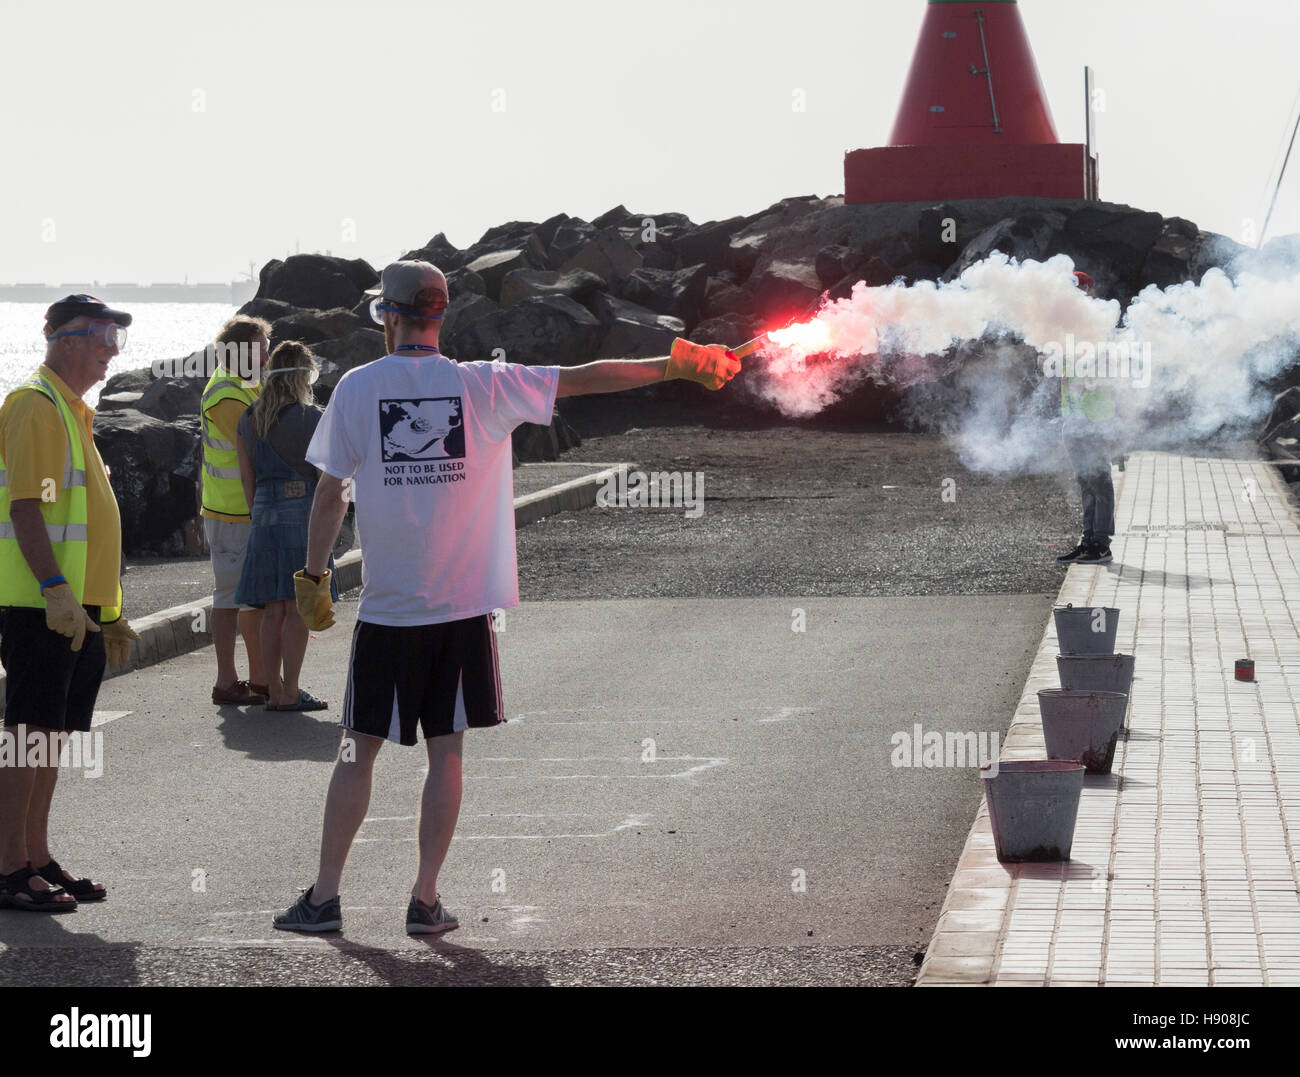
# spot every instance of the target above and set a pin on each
(442, 678)
(47, 683)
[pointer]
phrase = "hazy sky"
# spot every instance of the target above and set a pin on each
(154, 141)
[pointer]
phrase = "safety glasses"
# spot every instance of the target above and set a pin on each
(108, 333)
(377, 305)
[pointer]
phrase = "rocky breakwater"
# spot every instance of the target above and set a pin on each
(567, 290)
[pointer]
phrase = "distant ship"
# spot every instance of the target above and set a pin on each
(234, 293)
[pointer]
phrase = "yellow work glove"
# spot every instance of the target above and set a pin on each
(314, 602)
(117, 641)
(712, 365)
(64, 615)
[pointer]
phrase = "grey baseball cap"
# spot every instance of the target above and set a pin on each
(414, 288)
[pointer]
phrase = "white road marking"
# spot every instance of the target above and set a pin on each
(104, 717)
(627, 824)
(787, 713)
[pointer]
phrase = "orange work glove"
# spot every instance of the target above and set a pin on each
(712, 365)
(313, 600)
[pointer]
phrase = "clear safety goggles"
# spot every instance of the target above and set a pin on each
(378, 305)
(108, 333)
(315, 372)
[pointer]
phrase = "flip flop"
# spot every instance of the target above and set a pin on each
(306, 702)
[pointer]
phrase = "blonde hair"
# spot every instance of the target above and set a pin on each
(281, 389)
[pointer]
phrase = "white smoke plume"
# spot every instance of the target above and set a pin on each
(1184, 364)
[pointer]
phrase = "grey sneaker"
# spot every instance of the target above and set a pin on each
(422, 919)
(302, 915)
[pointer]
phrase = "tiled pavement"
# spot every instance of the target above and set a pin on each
(1184, 867)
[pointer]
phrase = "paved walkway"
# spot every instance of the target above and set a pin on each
(1184, 860)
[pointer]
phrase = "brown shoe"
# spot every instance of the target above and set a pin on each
(239, 693)
(260, 690)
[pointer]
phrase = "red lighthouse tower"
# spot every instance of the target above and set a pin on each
(974, 121)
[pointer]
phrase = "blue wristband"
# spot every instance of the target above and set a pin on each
(51, 581)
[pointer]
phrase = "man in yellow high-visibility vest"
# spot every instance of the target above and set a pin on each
(60, 592)
(242, 345)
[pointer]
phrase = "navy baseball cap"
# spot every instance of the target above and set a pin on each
(74, 306)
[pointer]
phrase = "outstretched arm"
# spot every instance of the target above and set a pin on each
(712, 365)
(610, 376)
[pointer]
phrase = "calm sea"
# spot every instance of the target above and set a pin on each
(160, 331)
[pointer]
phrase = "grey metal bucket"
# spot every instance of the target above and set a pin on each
(1033, 805)
(1096, 672)
(1082, 726)
(1086, 629)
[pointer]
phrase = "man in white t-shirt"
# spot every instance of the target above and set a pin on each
(425, 443)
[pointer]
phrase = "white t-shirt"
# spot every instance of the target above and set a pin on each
(426, 442)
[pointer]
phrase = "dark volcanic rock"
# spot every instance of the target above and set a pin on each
(270, 309)
(169, 398)
(311, 326)
(495, 266)
(318, 281)
(545, 330)
(155, 466)
(359, 347)
(568, 239)
(462, 311)
(1035, 236)
(1117, 236)
(709, 243)
(731, 330)
(128, 381)
(439, 251)
(533, 443)
(677, 293)
(1173, 254)
(724, 298)
(785, 289)
(465, 281)
(609, 256)
(634, 332)
(578, 284)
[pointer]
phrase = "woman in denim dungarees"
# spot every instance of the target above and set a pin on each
(280, 495)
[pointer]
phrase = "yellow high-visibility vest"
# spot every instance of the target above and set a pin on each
(222, 490)
(66, 523)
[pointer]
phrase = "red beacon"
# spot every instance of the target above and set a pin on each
(974, 121)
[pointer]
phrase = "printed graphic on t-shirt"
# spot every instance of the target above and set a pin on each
(429, 428)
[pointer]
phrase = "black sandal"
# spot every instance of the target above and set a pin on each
(81, 889)
(16, 893)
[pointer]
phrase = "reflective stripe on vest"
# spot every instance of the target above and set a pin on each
(66, 521)
(223, 491)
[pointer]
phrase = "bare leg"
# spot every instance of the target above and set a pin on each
(223, 639)
(272, 623)
(25, 794)
(345, 809)
(439, 810)
(295, 650)
(250, 627)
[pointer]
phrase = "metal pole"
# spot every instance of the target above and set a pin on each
(979, 19)
(1282, 173)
